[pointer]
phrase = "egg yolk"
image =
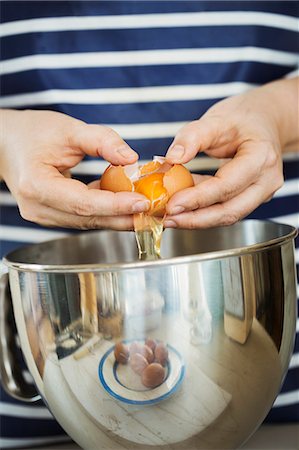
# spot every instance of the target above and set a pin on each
(149, 167)
(152, 187)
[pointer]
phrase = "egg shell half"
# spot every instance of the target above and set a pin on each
(115, 179)
(176, 179)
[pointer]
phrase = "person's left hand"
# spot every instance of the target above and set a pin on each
(249, 130)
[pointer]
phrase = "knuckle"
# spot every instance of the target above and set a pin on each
(268, 198)
(230, 217)
(91, 223)
(108, 133)
(272, 155)
(278, 183)
(187, 129)
(83, 208)
(227, 190)
(25, 189)
(192, 222)
(116, 206)
(191, 125)
(27, 213)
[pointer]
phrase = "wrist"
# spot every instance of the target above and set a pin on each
(9, 123)
(281, 105)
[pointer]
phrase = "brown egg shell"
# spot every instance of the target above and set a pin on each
(144, 350)
(161, 354)
(148, 353)
(121, 353)
(153, 375)
(176, 179)
(114, 179)
(151, 343)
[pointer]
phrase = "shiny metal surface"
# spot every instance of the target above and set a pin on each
(11, 374)
(223, 301)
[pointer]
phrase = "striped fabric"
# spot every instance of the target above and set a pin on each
(144, 68)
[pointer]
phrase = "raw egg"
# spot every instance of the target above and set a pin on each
(157, 180)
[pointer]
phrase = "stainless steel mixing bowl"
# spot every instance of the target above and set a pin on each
(221, 301)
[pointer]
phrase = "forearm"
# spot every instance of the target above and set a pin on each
(3, 128)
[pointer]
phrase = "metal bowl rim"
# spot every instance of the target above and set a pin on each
(115, 267)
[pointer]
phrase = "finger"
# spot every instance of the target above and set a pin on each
(99, 140)
(71, 196)
(50, 217)
(229, 181)
(201, 135)
(197, 178)
(95, 184)
(221, 214)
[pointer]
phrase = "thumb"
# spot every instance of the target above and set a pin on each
(99, 140)
(207, 133)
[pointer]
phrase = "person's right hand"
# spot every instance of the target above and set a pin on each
(38, 148)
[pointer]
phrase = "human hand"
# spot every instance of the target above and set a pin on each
(37, 150)
(250, 129)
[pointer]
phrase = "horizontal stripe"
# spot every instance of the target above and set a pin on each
(125, 95)
(133, 113)
(289, 219)
(294, 360)
(291, 165)
(30, 412)
(90, 168)
(146, 39)
(282, 416)
(93, 167)
(170, 75)
(97, 167)
(293, 74)
(22, 234)
(147, 130)
(291, 156)
(194, 19)
(6, 199)
(31, 442)
(292, 381)
(287, 398)
(290, 187)
(148, 57)
(281, 207)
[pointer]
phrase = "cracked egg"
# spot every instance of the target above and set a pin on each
(157, 180)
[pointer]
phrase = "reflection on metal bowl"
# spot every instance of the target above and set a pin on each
(223, 301)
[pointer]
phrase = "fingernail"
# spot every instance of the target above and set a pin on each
(170, 224)
(176, 152)
(127, 153)
(176, 210)
(141, 206)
